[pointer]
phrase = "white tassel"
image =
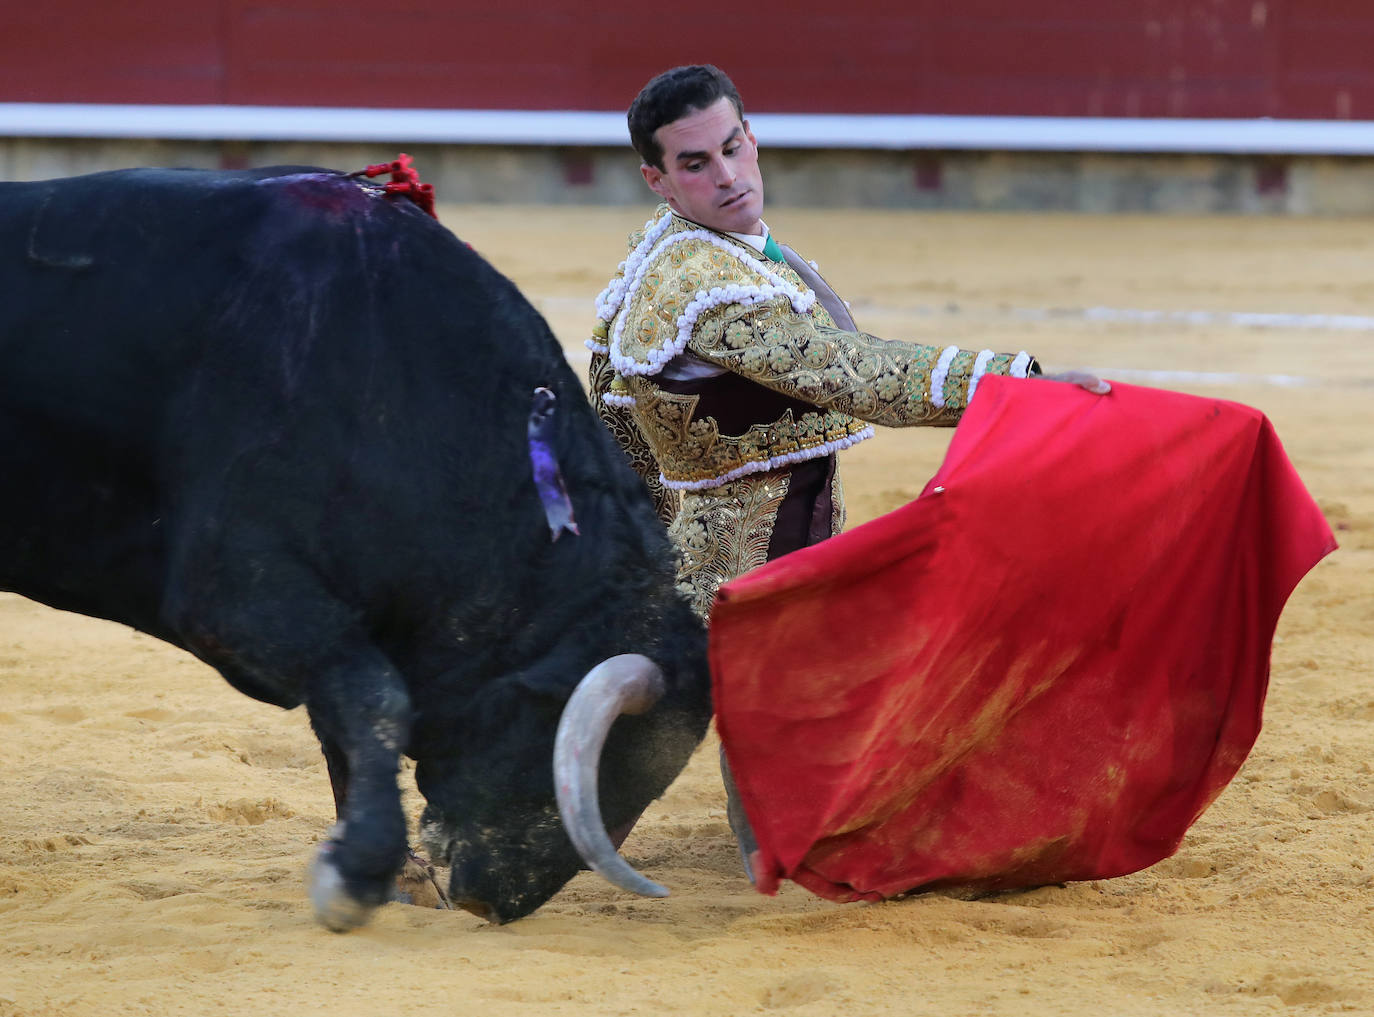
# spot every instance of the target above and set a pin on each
(938, 376)
(980, 367)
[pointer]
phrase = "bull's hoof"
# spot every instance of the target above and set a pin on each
(418, 884)
(335, 908)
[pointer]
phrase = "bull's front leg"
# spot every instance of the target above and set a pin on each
(361, 711)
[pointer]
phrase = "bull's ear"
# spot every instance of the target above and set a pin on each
(545, 680)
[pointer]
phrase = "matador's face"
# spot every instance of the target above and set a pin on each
(711, 170)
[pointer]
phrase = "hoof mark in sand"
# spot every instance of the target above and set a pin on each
(243, 812)
(798, 990)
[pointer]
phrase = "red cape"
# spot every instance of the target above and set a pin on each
(1043, 669)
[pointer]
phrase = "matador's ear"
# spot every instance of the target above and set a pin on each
(656, 179)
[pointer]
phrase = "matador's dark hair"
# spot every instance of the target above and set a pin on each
(671, 96)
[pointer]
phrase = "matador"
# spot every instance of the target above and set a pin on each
(731, 374)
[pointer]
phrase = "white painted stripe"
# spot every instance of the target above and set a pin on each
(1219, 378)
(1067, 134)
(1238, 319)
(300, 123)
(1128, 315)
(1135, 315)
(778, 130)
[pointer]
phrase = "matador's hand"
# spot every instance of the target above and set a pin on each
(1082, 379)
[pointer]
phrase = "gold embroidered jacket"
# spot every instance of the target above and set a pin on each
(690, 297)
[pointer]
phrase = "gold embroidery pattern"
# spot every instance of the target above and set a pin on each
(837, 512)
(854, 373)
(844, 375)
(674, 279)
(692, 448)
(628, 436)
(723, 532)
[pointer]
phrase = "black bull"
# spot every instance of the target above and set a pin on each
(279, 419)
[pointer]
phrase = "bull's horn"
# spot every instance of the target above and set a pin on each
(629, 683)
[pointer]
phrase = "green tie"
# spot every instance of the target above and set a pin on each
(772, 251)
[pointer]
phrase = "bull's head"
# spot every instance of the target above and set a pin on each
(510, 853)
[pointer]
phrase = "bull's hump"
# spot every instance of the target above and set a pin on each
(328, 192)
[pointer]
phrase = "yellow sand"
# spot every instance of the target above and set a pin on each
(155, 825)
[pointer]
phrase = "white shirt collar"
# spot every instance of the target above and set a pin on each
(754, 241)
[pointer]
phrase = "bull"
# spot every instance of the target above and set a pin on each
(288, 422)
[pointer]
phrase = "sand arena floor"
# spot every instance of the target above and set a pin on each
(156, 824)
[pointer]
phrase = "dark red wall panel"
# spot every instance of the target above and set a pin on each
(1193, 58)
(91, 51)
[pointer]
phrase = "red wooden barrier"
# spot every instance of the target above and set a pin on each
(1184, 58)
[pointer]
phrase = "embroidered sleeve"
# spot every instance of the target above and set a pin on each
(616, 417)
(883, 381)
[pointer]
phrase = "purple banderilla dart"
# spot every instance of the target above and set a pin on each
(548, 481)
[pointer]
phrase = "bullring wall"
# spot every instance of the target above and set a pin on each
(1301, 59)
(1029, 181)
(1229, 60)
